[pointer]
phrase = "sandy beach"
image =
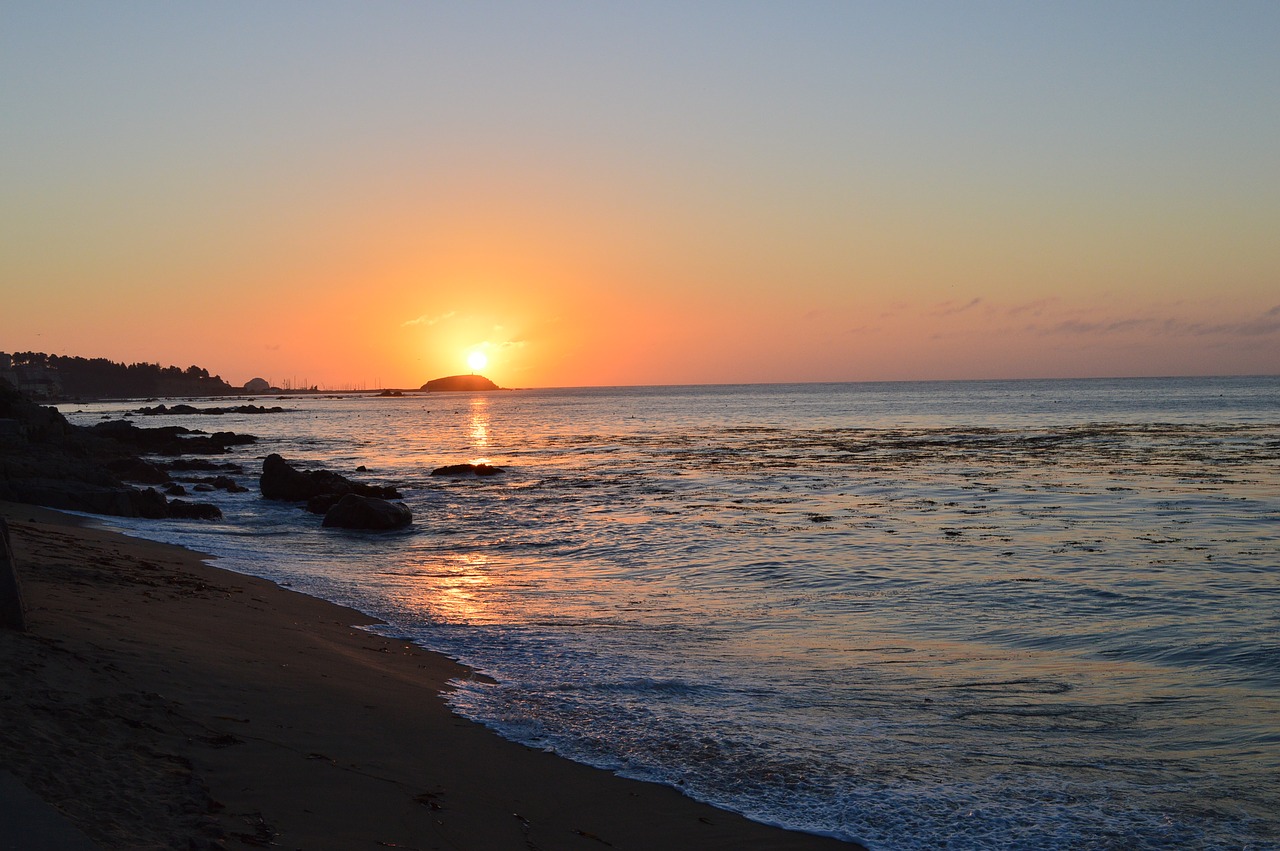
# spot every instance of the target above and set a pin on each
(159, 702)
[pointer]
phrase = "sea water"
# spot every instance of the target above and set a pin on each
(1019, 614)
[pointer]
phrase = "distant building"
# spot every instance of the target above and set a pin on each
(257, 385)
(36, 380)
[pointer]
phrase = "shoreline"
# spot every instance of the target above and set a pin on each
(160, 702)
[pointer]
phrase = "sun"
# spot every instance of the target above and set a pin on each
(477, 361)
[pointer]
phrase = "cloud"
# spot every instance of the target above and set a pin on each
(949, 308)
(1035, 308)
(494, 345)
(1077, 326)
(1263, 325)
(424, 319)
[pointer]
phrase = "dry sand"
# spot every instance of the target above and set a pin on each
(162, 703)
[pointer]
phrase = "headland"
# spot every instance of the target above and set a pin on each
(460, 383)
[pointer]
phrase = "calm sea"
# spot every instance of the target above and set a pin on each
(1023, 614)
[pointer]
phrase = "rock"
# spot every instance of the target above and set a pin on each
(193, 510)
(170, 440)
(175, 489)
(44, 460)
(228, 484)
(149, 503)
(133, 469)
(187, 410)
(364, 512)
(466, 470)
(322, 503)
(203, 464)
(282, 481)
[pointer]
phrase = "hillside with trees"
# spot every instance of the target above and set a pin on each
(44, 376)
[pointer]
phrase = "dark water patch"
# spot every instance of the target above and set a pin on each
(1026, 686)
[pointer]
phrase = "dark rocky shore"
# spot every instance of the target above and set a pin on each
(45, 460)
(117, 468)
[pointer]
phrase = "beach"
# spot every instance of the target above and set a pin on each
(159, 702)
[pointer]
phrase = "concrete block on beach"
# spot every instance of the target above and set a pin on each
(28, 823)
(12, 611)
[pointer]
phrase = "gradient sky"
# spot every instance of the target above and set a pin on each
(644, 193)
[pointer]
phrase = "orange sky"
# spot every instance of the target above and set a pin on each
(605, 196)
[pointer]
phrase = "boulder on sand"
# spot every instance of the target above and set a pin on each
(367, 512)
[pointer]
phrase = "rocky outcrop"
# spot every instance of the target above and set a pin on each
(187, 410)
(466, 470)
(364, 512)
(171, 440)
(282, 481)
(188, 464)
(133, 469)
(460, 384)
(72, 495)
(44, 460)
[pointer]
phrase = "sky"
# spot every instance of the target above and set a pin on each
(362, 194)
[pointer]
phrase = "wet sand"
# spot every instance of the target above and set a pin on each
(159, 702)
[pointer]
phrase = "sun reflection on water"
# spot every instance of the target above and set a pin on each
(459, 593)
(479, 422)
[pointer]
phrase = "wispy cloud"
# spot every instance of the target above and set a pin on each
(1035, 308)
(950, 308)
(424, 319)
(1262, 325)
(1111, 326)
(498, 345)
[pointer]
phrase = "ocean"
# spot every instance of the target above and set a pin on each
(978, 615)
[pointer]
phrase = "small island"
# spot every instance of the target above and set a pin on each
(460, 383)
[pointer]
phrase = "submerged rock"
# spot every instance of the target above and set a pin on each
(193, 510)
(170, 440)
(366, 512)
(466, 470)
(134, 469)
(187, 410)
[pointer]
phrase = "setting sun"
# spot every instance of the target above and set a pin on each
(477, 361)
